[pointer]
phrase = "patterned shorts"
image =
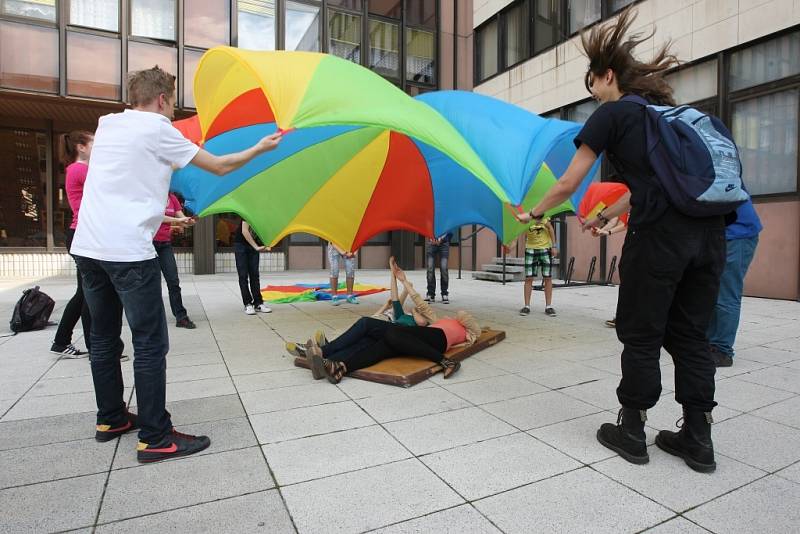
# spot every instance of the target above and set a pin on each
(335, 259)
(534, 257)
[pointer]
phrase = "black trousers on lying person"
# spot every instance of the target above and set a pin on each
(362, 335)
(670, 273)
(421, 341)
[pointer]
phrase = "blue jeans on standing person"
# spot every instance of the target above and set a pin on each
(109, 287)
(247, 259)
(725, 321)
(430, 256)
(169, 268)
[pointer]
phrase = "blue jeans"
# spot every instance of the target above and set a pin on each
(110, 287)
(169, 268)
(430, 259)
(247, 259)
(725, 321)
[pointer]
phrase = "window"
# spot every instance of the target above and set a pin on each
(93, 66)
(206, 23)
(23, 189)
(353, 5)
(386, 8)
(226, 226)
(581, 112)
(35, 9)
(145, 56)
(420, 56)
(153, 18)
(257, 24)
(546, 25)
(486, 37)
(765, 129)
(695, 83)
(344, 33)
(383, 238)
(384, 48)
(302, 27)
(421, 13)
(765, 62)
(517, 26)
(301, 238)
(100, 14)
(616, 5)
(191, 58)
(582, 13)
(28, 57)
(555, 114)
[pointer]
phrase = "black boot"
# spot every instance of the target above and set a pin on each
(693, 442)
(627, 437)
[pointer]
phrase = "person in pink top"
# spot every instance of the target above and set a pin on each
(430, 342)
(77, 151)
(162, 241)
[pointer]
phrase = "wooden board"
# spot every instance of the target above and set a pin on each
(407, 371)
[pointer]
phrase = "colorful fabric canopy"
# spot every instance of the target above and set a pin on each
(312, 292)
(599, 196)
(361, 157)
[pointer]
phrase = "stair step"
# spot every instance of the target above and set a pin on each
(497, 277)
(494, 268)
(510, 260)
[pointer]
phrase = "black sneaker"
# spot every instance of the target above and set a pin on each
(611, 323)
(429, 298)
(550, 312)
(526, 310)
(185, 323)
(721, 359)
(174, 445)
(445, 299)
(69, 352)
(105, 433)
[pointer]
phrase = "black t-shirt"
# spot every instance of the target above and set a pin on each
(238, 236)
(618, 129)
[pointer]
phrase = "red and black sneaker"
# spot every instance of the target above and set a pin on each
(174, 445)
(107, 433)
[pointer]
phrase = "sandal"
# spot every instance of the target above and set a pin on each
(314, 357)
(335, 371)
(450, 367)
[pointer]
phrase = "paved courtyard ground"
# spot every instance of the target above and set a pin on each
(506, 445)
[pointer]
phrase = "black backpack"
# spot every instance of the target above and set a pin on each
(32, 311)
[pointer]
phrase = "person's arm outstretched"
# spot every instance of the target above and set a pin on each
(221, 165)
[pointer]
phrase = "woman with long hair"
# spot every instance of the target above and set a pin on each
(671, 263)
(77, 151)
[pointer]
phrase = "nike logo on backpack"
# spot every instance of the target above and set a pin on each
(729, 188)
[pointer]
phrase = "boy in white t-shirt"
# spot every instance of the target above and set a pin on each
(123, 205)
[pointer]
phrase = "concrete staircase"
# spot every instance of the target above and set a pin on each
(515, 270)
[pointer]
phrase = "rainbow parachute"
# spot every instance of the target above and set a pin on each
(361, 157)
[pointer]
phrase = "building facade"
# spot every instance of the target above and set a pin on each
(741, 62)
(63, 64)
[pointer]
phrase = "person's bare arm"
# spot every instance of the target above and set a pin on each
(221, 165)
(249, 238)
(566, 185)
(552, 232)
(615, 210)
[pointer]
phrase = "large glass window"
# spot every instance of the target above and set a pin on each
(765, 62)
(23, 188)
(386, 8)
(344, 34)
(420, 56)
(486, 37)
(93, 66)
(256, 24)
(581, 112)
(191, 58)
(421, 13)
(546, 25)
(695, 83)
(35, 9)
(28, 57)
(582, 13)
(145, 56)
(384, 48)
(101, 14)
(616, 5)
(765, 129)
(206, 23)
(153, 18)
(302, 27)
(353, 5)
(518, 40)
(301, 238)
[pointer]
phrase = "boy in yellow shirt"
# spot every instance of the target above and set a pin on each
(540, 250)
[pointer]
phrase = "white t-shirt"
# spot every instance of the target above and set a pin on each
(127, 185)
